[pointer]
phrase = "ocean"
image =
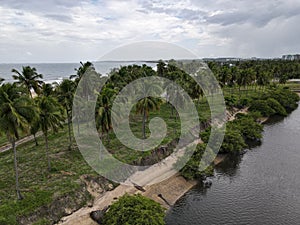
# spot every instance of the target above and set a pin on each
(56, 72)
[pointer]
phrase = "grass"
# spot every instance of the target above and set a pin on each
(128, 155)
(38, 186)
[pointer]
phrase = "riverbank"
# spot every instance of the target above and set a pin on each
(169, 190)
(160, 179)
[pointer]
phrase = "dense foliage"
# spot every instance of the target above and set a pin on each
(134, 210)
(191, 169)
(277, 101)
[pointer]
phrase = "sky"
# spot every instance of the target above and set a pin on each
(73, 31)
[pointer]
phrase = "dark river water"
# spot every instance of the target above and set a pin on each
(260, 187)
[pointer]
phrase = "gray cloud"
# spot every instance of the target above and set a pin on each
(258, 14)
(61, 18)
(89, 28)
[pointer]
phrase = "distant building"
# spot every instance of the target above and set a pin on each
(291, 57)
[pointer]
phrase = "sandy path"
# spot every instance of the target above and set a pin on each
(19, 142)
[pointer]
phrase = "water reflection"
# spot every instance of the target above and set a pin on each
(259, 187)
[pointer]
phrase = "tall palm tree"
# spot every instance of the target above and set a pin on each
(50, 118)
(65, 93)
(104, 113)
(16, 114)
(147, 104)
(81, 71)
(144, 106)
(29, 78)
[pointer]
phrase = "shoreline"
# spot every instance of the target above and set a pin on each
(160, 179)
(171, 189)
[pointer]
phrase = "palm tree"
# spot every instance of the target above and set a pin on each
(144, 106)
(81, 71)
(149, 103)
(65, 94)
(29, 78)
(50, 119)
(16, 114)
(104, 113)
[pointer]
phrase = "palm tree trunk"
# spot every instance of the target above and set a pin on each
(108, 140)
(30, 93)
(47, 152)
(144, 123)
(69, 128)
(172, 110)
(35, 139)
(20, 197)
(78, 128)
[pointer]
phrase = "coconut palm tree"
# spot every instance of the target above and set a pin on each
(149, 103)
(144, 106)
(50, 118)
(84, 67)
(65, 93)
(29, 78)
(16, 114)
(104, 112)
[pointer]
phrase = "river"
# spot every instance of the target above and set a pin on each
(260, 187)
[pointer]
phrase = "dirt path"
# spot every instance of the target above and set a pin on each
(19, 142)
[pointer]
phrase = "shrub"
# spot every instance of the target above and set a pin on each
(134, 210)
(262, 107)
(191, 170)
(233, 142)
(248, 127)
(287, 99)
(275, 105)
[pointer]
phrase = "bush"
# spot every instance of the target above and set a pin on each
(262, 107)
(191, 170)
(287, 99)
(275, 105)
(248, 127)
(231, 101)
(245, 102)
(233, 141)
(134, 210)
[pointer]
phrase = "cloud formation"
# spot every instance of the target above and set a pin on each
(65, 30)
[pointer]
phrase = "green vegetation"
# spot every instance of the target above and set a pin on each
(134, 210)
(244, 128)
(49, 175)
(277, 101)
(191, 169)
(41, 189)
